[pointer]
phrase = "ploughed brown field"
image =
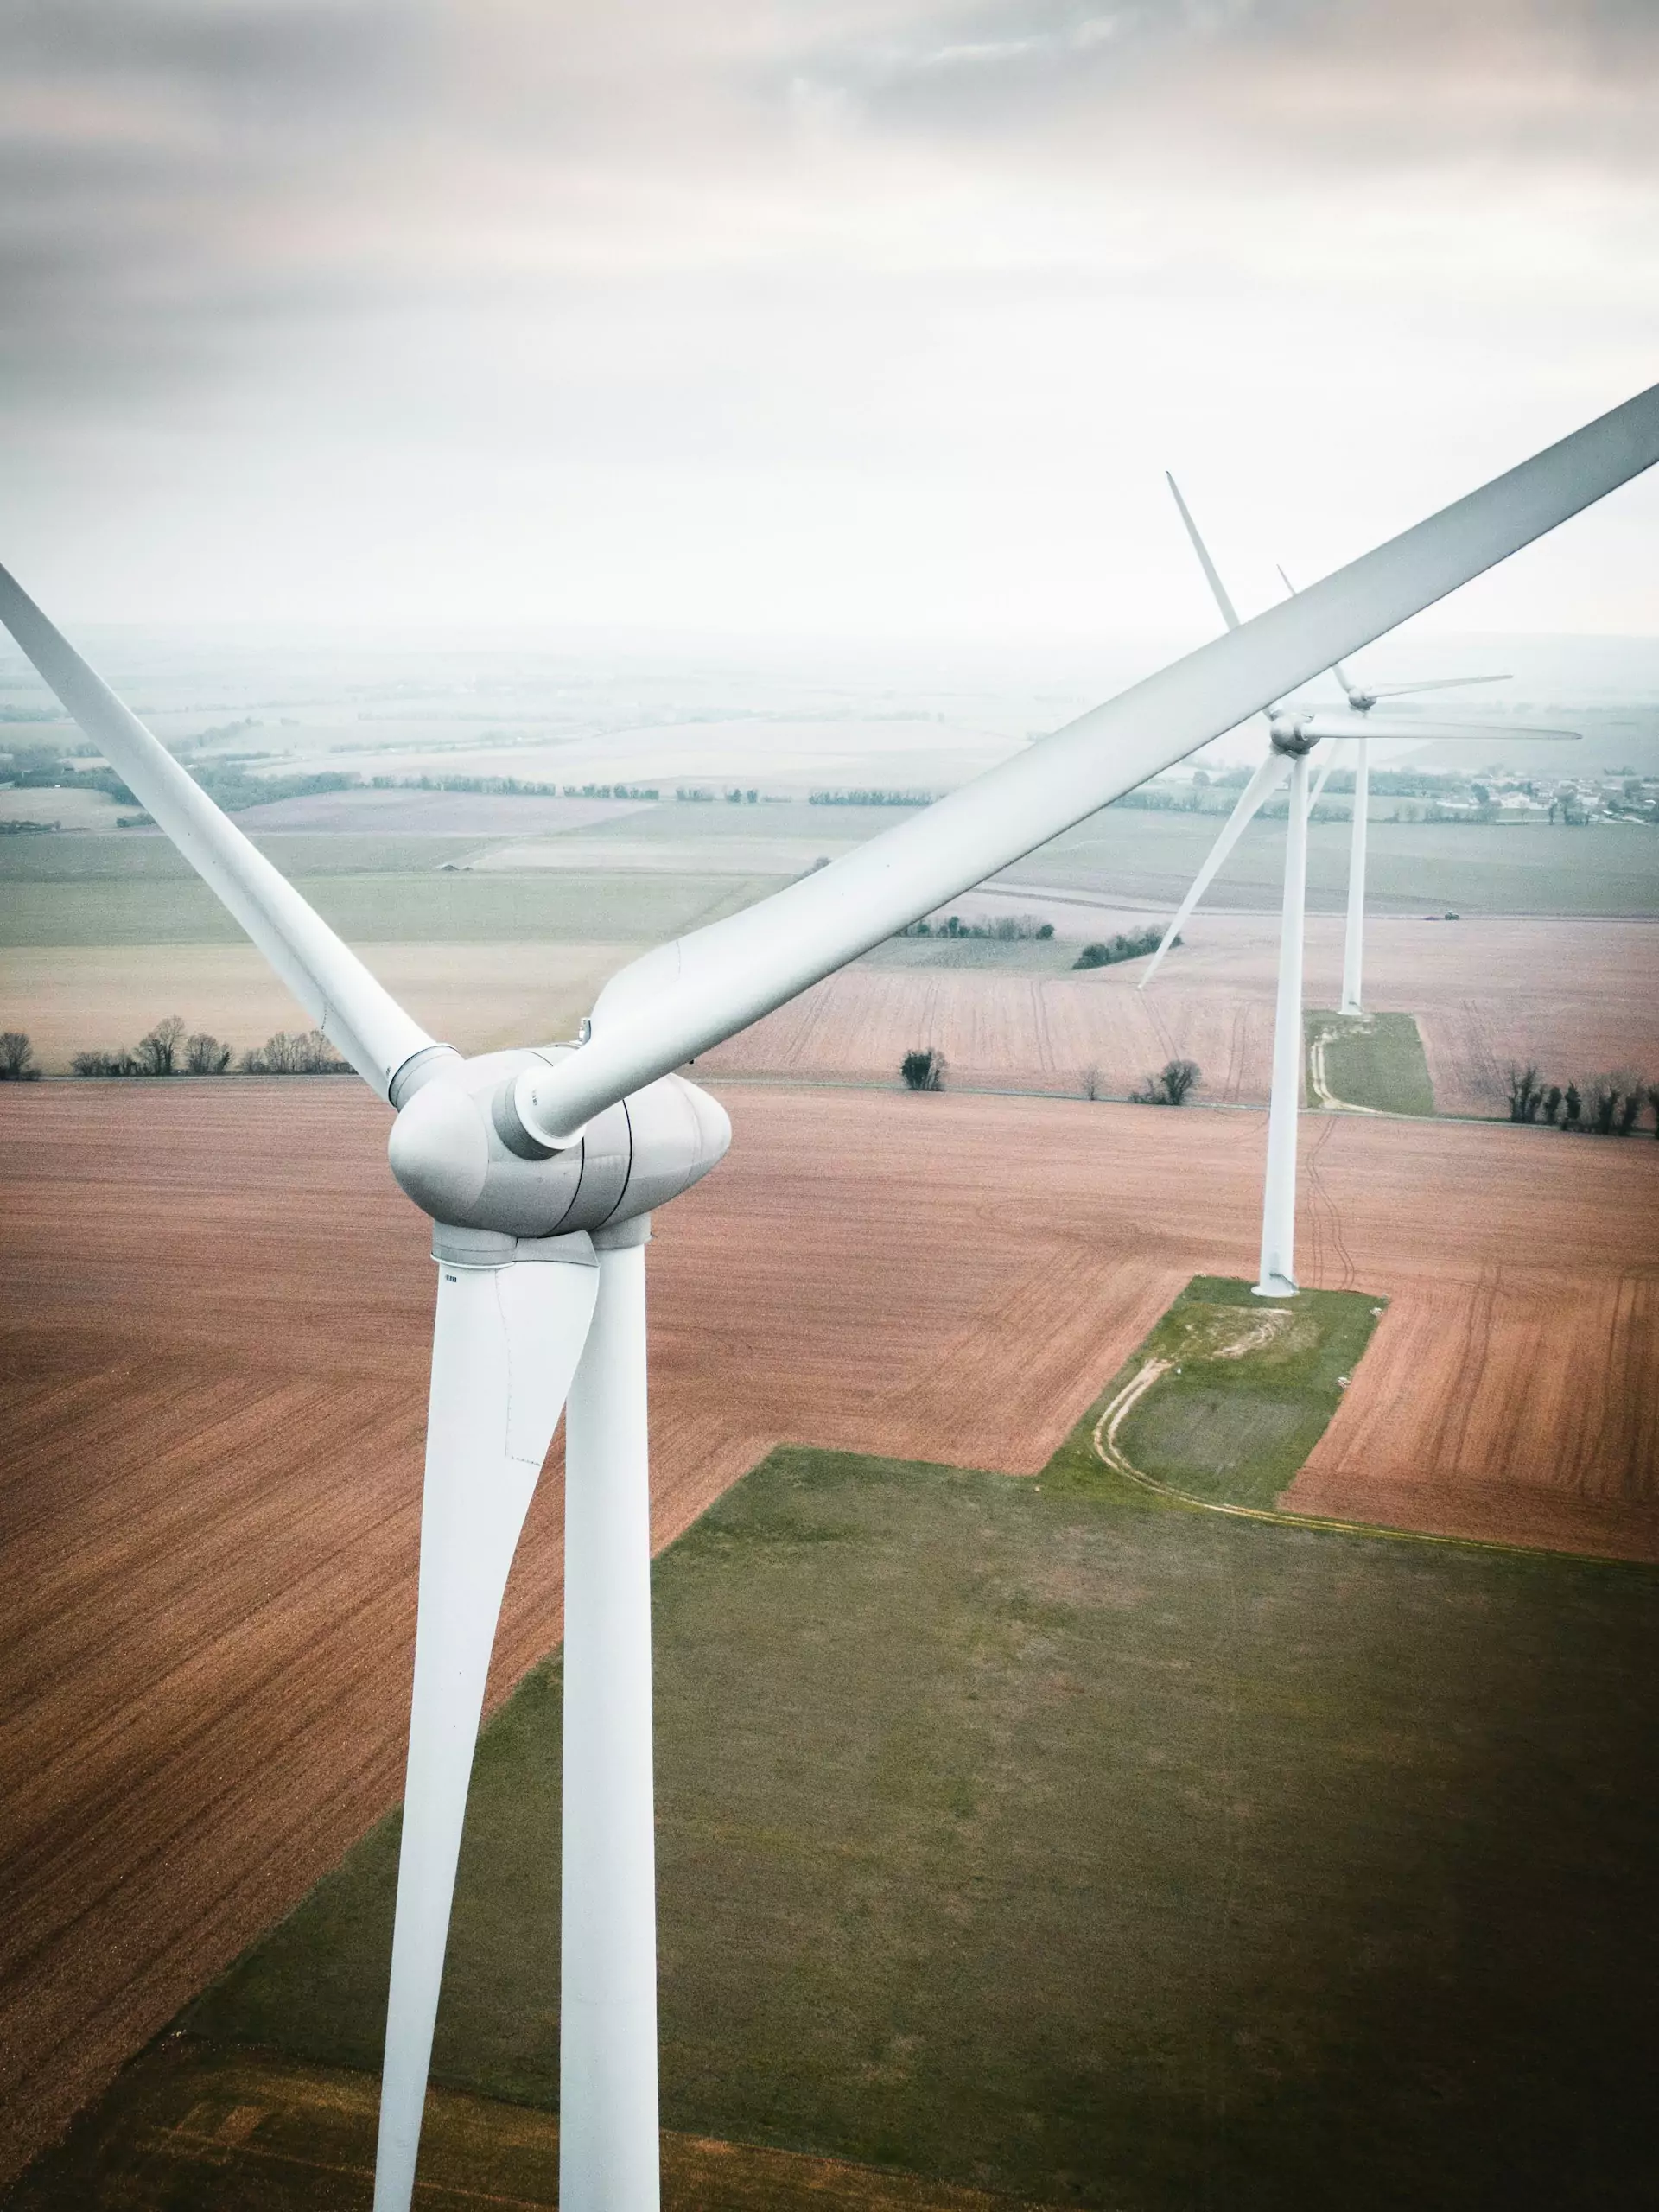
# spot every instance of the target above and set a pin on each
(1574, 996)
(215, 1308)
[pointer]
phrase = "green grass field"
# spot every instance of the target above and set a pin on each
(144, 858)
(1250, 1387)
(1052, 1838)
(1412, 867)
(383, 907)
(1373, 1059)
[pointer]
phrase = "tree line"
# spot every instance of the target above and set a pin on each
(1603, 1106)
(1004, 929)
(873, 798)
(169, 1050)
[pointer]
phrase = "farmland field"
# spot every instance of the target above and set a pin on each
(71, 810)
(1412, 867)
(1039, 1837)
(76, 998)
(215, 1320)
(417, 813)
(434, 908)
(1573, 995)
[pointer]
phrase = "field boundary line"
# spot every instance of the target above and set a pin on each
(1107, 1451)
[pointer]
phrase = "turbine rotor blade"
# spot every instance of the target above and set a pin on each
(510, 1330)
(1254, 795)
(354, 1011)
(1324, 773)
(1438, 683)
(1218, 589)
(1339, 726)
(1337, 668)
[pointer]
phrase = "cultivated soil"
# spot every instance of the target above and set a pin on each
(215, 1308)
(1574, 996)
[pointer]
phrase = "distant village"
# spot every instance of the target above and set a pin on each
(1576, 801)
(1497, 795)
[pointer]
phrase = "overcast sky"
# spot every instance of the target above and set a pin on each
(847, 318)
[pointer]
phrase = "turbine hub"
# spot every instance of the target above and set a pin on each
(1291, 735)
(460, 1149)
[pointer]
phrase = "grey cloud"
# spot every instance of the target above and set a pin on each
(165, 167)
(1418, 81)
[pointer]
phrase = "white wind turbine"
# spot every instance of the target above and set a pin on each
(539, 1168)
(1293, 732)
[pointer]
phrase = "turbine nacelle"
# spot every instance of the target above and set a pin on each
(459, 1148)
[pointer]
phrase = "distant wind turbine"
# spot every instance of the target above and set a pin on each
(1293, 732)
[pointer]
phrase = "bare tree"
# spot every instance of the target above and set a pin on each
(1090, 1081)
(1179, 1079)
(1634, 1102)
(205, 1055)
(1526, 1094)
(923, 1069)
(1552, 1103)
(1172, 1085)
(1604, 1105)
(158, 1051)
(15, 1055)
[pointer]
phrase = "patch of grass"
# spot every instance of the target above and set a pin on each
(1045, 1837)
(1251, 1386)
(1369, 1059)
(427, 908)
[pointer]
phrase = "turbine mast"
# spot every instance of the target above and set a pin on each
(607, 2004)
(1278, 1273)
(1353, 943)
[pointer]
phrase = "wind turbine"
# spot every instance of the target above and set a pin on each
(1361, 700)
(1293, 733)
(539, 1169)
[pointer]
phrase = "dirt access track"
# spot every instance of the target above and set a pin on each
(216, 1310)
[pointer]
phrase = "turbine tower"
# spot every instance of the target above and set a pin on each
(1293, 732)
(540, 1168)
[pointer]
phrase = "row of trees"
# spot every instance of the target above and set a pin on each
(1130, 946)
(1603, 1106)
(873, 798)
(1004, 929)
(168, 1051)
